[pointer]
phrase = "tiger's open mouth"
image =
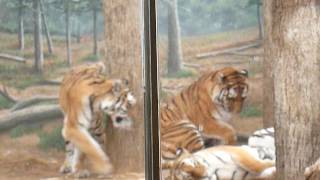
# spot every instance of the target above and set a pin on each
(121, 121)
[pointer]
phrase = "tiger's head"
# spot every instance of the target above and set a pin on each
(229, 89)
(186, 166)
(115, 100)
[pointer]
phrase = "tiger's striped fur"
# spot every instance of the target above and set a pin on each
(85, 95)
(221, 162)
(263, 141)
(182, 134)
(208, 103)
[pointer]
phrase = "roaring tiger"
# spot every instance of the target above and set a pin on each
(208, 103)
(221, 162)
(85, 95)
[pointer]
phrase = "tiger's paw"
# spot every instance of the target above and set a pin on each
(82, 174)
(65, 169)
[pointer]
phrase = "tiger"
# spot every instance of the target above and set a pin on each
(221, 162)
(181, 134)
(208, 103)
(85, 96)
(263, 141)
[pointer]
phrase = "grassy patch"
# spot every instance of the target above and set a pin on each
(251, 111)
(184, 73)
(4, 103)
(51, 140)
(91, 58)
(24, 129)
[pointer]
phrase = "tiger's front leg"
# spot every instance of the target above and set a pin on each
(74, 160)
(220, 129)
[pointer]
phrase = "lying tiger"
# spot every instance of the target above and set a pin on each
(85, 95)
(220, 162)
(208, 103)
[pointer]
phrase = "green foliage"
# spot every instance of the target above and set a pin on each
(4, 103)
(23, 130)
(51, 140)
(199, 17)
(251, 111)
(184, 73)
(91, 58)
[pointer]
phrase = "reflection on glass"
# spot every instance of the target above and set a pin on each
(207, 50)
(71, 99)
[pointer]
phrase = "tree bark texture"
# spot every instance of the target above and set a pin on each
(123, 27)
(38, 47)
(268, 91)
(174, 40)
(295, 54)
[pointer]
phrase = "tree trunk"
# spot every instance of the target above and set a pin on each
(78, 27)
(68, 34)
(20, 25)
(174, 39)
(295, 53)
(95, 32)
(46, 30)
(123, 60)
(268, 91)
(260, 21)
(38, 47)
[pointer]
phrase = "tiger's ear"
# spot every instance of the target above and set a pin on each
(117, 86)
(244, 72)
(220, 77)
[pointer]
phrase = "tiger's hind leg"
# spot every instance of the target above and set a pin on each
(74, 159)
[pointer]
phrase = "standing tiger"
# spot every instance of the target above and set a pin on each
(85, 95)
(208, 103)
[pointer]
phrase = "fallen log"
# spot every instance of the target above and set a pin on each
(41, 113)
(228, 50)
(4, 93)
(50, 83)
(32, 101)
(12, 58)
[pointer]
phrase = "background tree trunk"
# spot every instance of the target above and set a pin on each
(95, 31)
(20, 25)
(174, 39)
(268, 91)
(78, 27)
(68, 34)
(46, 29)
(260, 21)
(123, 60)
(295, 54)
(38, 47)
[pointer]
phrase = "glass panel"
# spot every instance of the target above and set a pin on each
(206, 49)
(71, 94)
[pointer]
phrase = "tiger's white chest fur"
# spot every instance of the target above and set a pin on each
(221, 114)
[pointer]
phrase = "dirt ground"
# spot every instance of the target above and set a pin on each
(21, 158)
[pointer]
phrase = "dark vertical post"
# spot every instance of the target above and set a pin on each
(151, 117)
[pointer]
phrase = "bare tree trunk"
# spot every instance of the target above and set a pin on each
(268, 91)
(123, 60)
(38, 47)
(46, 30)
(295, 52)
(95, 32)
(21, 27)
(68, 34)
(260, 21)
(174, 39)
(78, 27)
